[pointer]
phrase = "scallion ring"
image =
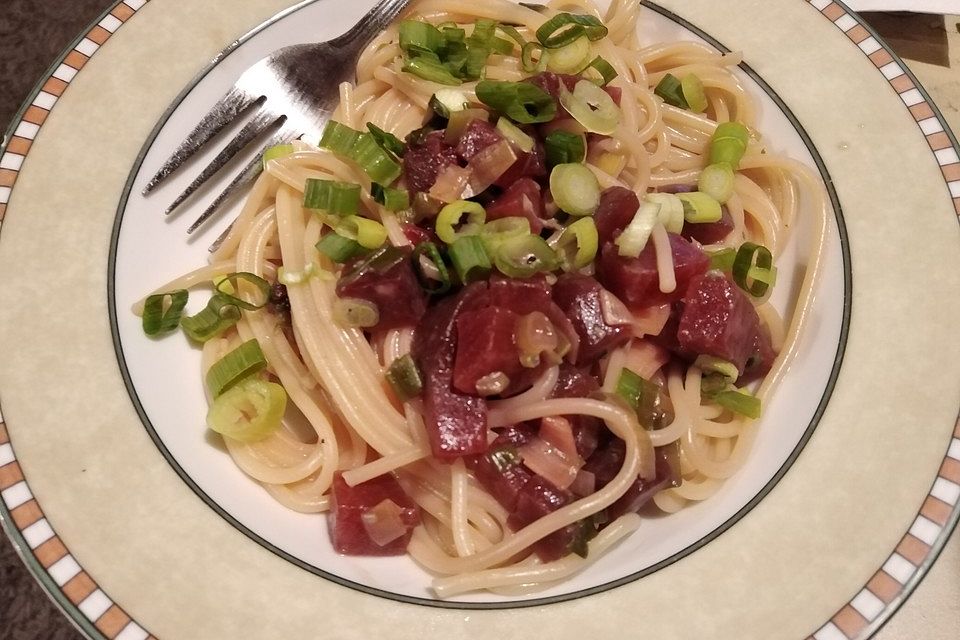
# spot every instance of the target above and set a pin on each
(525, 256)
(219, 315)
(575, 189)
(242, 362)
(368, 233)
(564, 28)
(753, 269)
(230, 285)
(592, 107)
(577, 245)
(450, 217)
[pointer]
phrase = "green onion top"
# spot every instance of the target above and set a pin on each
(242, 362)
(219, 315)
(753, 269)
(230, 284)
(429, 251)
(563, 147)
(520, 101)
(340, 249)
(405, 378)
(564, 28)
(339, 198)
(387, 141)
(469, 259)
(671, 91)
(157, 319)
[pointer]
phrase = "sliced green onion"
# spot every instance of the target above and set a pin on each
(512, 33)
(248, 412)
(592, 107)
(723, 259)
(753, 269)
(520, 101)
(570, 58)
(525, 256)
(475, 62)
(604, 68)
(391, 199)
(339, 138)
(484, 31)
(577, 245)
(356, 312)
(671, 90)
(692, 88)
(716, 180)
(712, 364)
(630, 387)
(219, 315)
(699, 207)
(277, 151)
(515, 135)
(387, 141)
(156, 318)
(375, 162)
(417, 36)
(671, 210)
(429, 251)
(230, 285)
(501, 46)
(452, 34)
(469, 259)
(497, 231)
(404, 376)
(242, 362)
(370, 234)
(340, 198)
(445, 102)
(432, 70)
(634, 237)
(564, 28)
(363, 149)
(450, 216)
(575, 189)
(526, 57)
(739, 401)
(563, 147)
(729, 143)
(340, 249)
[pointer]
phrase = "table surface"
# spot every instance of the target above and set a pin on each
(929, 44)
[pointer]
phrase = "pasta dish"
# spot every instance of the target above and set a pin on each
(515, 301)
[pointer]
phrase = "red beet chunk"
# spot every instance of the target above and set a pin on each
(575, 383)
(617, 207)
(523, 200)
(347, 530)
(478, 135)
(500, 470)
(387, 279)
(531, 164)
(642, 491)
(718, 320)
(456, 423)
(417, 234)
(709, 232)
(486, 343)
(550, 81)
(606, 461)
(760, 363)
(636, 281)
(423, 162)
(538, 498)
(522, 296)
(579, 298)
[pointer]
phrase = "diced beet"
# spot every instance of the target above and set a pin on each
(538, 498)
(642, 491)
(710, 232)
(477, 136)
(523, 200)
(520, 295)
(423, 162)
(677, 188)
(636, 281)
(761, 361)
(500, 472)
(347, 530)
(417, 234)
(614, 92)
(456, 423)
(531, 164)
(579, 298)
(575, 383)
(617, 207)
(606, 461)
(718, 320)
(486, 343)
(387, 280)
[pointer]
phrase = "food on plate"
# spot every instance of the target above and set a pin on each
(518, 293)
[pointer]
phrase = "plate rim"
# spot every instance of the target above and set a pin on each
(834, 11)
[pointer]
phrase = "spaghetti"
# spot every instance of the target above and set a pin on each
(343, 419)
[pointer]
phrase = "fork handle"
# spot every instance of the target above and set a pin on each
(375, 21)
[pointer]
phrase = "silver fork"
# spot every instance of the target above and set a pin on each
(291, 93)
